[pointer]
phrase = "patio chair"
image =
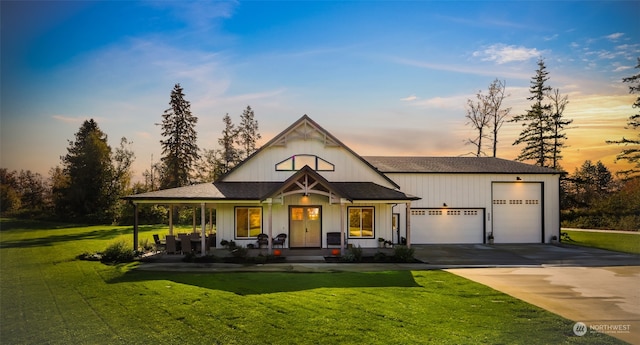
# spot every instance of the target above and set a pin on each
(185, 243)
(211, 242)
(263, 239)
(170, 244)
(158, 244)
(279, 240)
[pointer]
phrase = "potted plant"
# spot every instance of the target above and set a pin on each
(490, 238)
(381, 242)
(388, 244)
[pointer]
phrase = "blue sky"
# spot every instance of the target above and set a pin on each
(386, 78)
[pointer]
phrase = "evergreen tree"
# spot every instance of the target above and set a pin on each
(230, 156)
(87, 194)
(631, 152)
(209, 167)
(179, 148)
(248, 134)
(558, 125)
(591, 182)
(537, 131)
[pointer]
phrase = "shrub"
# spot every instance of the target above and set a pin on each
(145, 246)
(380, 257)
(89, 256)
(354, 255)
(239, 252)
(118, 252)
(403, 253)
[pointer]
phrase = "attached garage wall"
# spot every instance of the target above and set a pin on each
(447, 225)
(517, 212)
(475, 191)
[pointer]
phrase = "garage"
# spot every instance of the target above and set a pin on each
(517, 212)
(447, 225)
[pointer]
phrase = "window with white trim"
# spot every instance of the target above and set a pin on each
(248, 222)
(361, 222)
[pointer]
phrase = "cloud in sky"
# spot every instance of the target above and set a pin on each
(409, 98)
(502, 53)
(615, 36)
(346, 64)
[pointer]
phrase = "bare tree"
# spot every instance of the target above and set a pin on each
(496, 113)
(478, 116)
(558, 123)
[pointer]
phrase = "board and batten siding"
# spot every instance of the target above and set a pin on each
(474, 191)
(348, 167)
(225, 219)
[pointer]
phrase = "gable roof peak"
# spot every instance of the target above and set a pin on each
(306, 129)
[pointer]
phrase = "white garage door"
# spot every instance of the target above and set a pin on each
(447, 225)
(517, 212)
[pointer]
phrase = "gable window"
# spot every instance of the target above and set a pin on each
(361, 222)
(297, 162)
(248, 222)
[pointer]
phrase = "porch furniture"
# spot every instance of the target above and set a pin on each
(279, 240)
(263, 239)
(170, 244)
(211, 242)
(158, 244)
(196, 244)
(333, 238)
(185, 243)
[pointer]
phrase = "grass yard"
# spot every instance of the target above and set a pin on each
(49, 297)
(627, 243)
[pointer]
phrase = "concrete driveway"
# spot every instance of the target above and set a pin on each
(596, 287)
(484, 255)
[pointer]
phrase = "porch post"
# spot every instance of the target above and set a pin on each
(342, 229)
(270, 225)
(171, 220)
(211, 219)
(194, 219)
(408, 220)
(203, 235)
(135, 227)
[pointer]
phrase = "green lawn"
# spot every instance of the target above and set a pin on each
(48, 297)
(627, 243)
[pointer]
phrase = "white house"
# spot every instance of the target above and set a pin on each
(307, 184)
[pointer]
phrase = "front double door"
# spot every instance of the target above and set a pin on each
(305, 226)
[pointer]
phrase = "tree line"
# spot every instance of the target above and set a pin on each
(591, 197)
(91, 177)
(544, 124)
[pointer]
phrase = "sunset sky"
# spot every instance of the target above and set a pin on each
(386, 78)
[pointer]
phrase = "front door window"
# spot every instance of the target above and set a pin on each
(305, 226)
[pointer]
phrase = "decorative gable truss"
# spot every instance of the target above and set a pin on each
(305, 130)
(306, 181)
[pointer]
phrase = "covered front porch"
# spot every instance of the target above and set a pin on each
(306, 210)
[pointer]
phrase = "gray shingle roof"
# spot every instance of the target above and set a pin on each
(469, 165)
(261, 190)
